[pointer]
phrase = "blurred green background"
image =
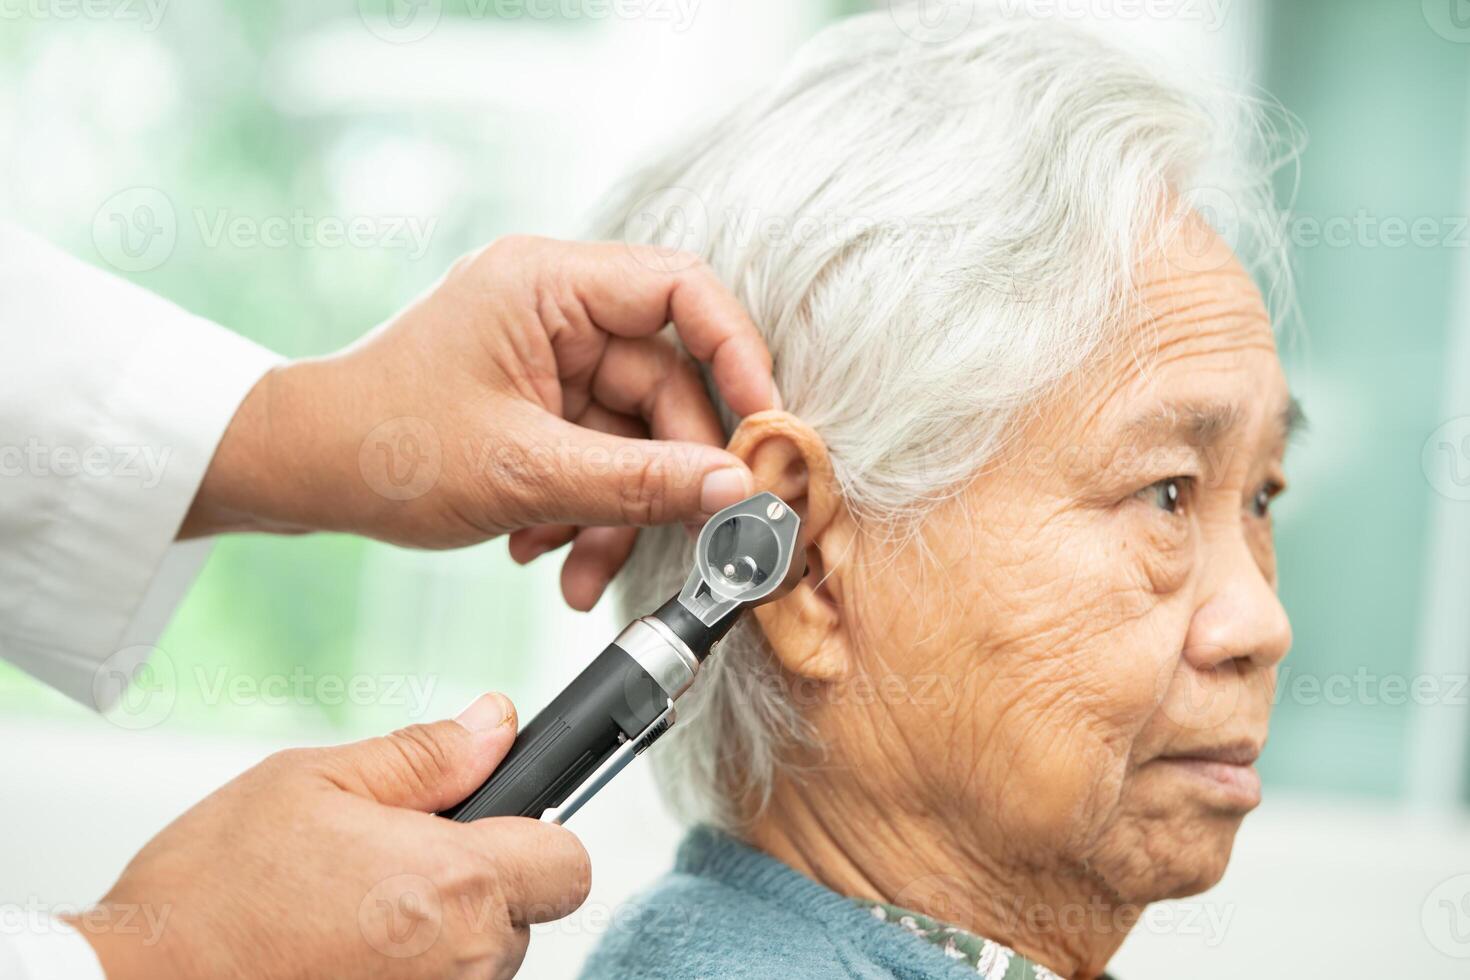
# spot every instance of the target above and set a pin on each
(330, 110)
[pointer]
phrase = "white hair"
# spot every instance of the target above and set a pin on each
(930, 234)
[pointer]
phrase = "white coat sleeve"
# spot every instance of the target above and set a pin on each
(47, 949)
(112, 402)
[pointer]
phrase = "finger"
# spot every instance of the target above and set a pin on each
(633, 291)
(429, 767)
(611, 480)
(543, 869)
(649, 377)
(596, 556)
(530, 543)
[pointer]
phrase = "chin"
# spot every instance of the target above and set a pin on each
(1204, 854)
(1173, 857)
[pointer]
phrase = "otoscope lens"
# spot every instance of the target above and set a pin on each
(742, 552)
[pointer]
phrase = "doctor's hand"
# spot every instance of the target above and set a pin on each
(531, 391)
(331, 863)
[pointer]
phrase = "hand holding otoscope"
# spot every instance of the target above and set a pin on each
(746, 555)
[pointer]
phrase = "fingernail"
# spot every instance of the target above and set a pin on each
(776, 401)
(486, 712)
(722, 488)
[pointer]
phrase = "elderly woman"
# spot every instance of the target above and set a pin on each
(1034, 423)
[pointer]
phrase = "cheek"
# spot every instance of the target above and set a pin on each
(1051, 643)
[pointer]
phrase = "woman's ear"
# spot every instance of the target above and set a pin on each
(790, 460)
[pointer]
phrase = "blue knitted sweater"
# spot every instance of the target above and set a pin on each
(729, 912)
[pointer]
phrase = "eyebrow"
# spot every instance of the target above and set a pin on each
(1206, 423)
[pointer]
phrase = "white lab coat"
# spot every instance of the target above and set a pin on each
(112, 402)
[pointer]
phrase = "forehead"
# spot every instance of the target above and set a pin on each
(1199, 333)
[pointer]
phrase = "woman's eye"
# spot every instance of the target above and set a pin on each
(1261, 502)
(1167, 495)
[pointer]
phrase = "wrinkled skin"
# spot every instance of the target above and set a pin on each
(1060, 646)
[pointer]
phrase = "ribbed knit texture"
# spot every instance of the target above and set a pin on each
(729, 912)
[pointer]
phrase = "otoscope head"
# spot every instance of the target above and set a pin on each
(748, 554)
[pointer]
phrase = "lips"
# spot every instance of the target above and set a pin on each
(1225, 772)
(1244, 752)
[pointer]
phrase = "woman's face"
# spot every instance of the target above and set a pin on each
(1080, 651)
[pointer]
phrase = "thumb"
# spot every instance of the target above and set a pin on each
(430, 767)
(605, 480)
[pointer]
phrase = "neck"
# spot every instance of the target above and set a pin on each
(1070, 923)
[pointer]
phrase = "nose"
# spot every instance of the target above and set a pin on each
(1240, 618)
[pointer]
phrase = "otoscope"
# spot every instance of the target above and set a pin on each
(746, 555)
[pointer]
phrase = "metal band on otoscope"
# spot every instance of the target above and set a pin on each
(661, 654)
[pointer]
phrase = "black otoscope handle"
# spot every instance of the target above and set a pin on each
(613, 700)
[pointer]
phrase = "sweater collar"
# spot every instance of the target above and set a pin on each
(922, 946)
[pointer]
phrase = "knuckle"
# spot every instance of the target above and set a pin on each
(289, 760)
(519, 482)
(509, 247)
(422, 753)
(641, 499)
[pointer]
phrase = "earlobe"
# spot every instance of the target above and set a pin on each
(789, 459)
